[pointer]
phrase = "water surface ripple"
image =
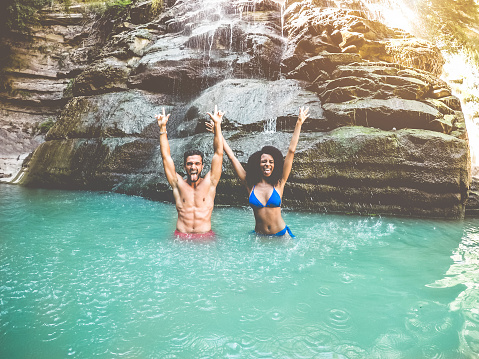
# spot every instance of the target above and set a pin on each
(85, 275)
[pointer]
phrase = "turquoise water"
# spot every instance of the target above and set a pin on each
(87, 275)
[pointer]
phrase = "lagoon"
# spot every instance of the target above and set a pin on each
(93, 274)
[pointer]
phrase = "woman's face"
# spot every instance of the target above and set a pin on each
(266, 164)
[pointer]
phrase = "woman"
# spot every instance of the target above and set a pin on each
(265, 176)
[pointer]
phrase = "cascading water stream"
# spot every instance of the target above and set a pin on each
(213, 16)
(270, 125)
(459, 71)
(217, 25)
(463, 77)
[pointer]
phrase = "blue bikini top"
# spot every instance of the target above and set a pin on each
(273, 201)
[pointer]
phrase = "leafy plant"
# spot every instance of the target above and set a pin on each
(45, 126)
(156, 5)
(453, 23)
(19, 15)
(68, 92)
(111, 9)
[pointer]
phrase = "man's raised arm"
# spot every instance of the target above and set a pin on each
(217, 160)
(168, 163)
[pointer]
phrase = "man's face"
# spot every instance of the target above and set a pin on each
(193, 167)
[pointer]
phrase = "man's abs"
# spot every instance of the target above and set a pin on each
(194, 219)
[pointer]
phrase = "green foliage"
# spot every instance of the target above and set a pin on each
(118, 8)
(454, 23)
(156, 5)
(112, 9)
(19, 14)
(68, 92)
(45, 126)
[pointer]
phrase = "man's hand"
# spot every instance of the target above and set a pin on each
(217, 160)
(303, 114)
(162, 120)
(217, 116)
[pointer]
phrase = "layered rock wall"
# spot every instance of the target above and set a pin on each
(385, 135)
(36, 75)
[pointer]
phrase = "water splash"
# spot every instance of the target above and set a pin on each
(144, 294)
(463, 274)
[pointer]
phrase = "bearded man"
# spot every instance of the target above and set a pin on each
(195, 195)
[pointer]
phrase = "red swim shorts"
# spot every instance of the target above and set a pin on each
(195, 236)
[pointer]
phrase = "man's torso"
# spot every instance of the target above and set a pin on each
(194, 205)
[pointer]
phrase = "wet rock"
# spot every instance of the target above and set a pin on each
(69, 18)
(385, 135)
(253, 105)
(190, 61)
(419, 173)
(472, 203)
(109, 115)
(127, 44)
(341, 171)
(142, 12)
(351, 39)
(387, 96)
(37, 69)
(129, 165)
(384, 114)
(311, 67)
(370, 39)
(105, 76)
(95, 163)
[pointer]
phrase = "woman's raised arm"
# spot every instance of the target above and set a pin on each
(288, 161)
(237, 166)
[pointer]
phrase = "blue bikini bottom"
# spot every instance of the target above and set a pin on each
(280, 233)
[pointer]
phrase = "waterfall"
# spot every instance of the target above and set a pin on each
(459, 71)
(270, 125)
(218, 25)
(463, 77)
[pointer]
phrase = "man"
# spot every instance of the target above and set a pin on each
(194, 196)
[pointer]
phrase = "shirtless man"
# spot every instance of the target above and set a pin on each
(194, 196)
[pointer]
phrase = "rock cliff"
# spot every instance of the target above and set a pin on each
(385, 134)
(36, 73)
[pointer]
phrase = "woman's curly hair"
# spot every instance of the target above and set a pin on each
(253, 170)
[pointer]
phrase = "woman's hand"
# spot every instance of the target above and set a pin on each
(210, 126)
(303, 114)
(162, 119)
